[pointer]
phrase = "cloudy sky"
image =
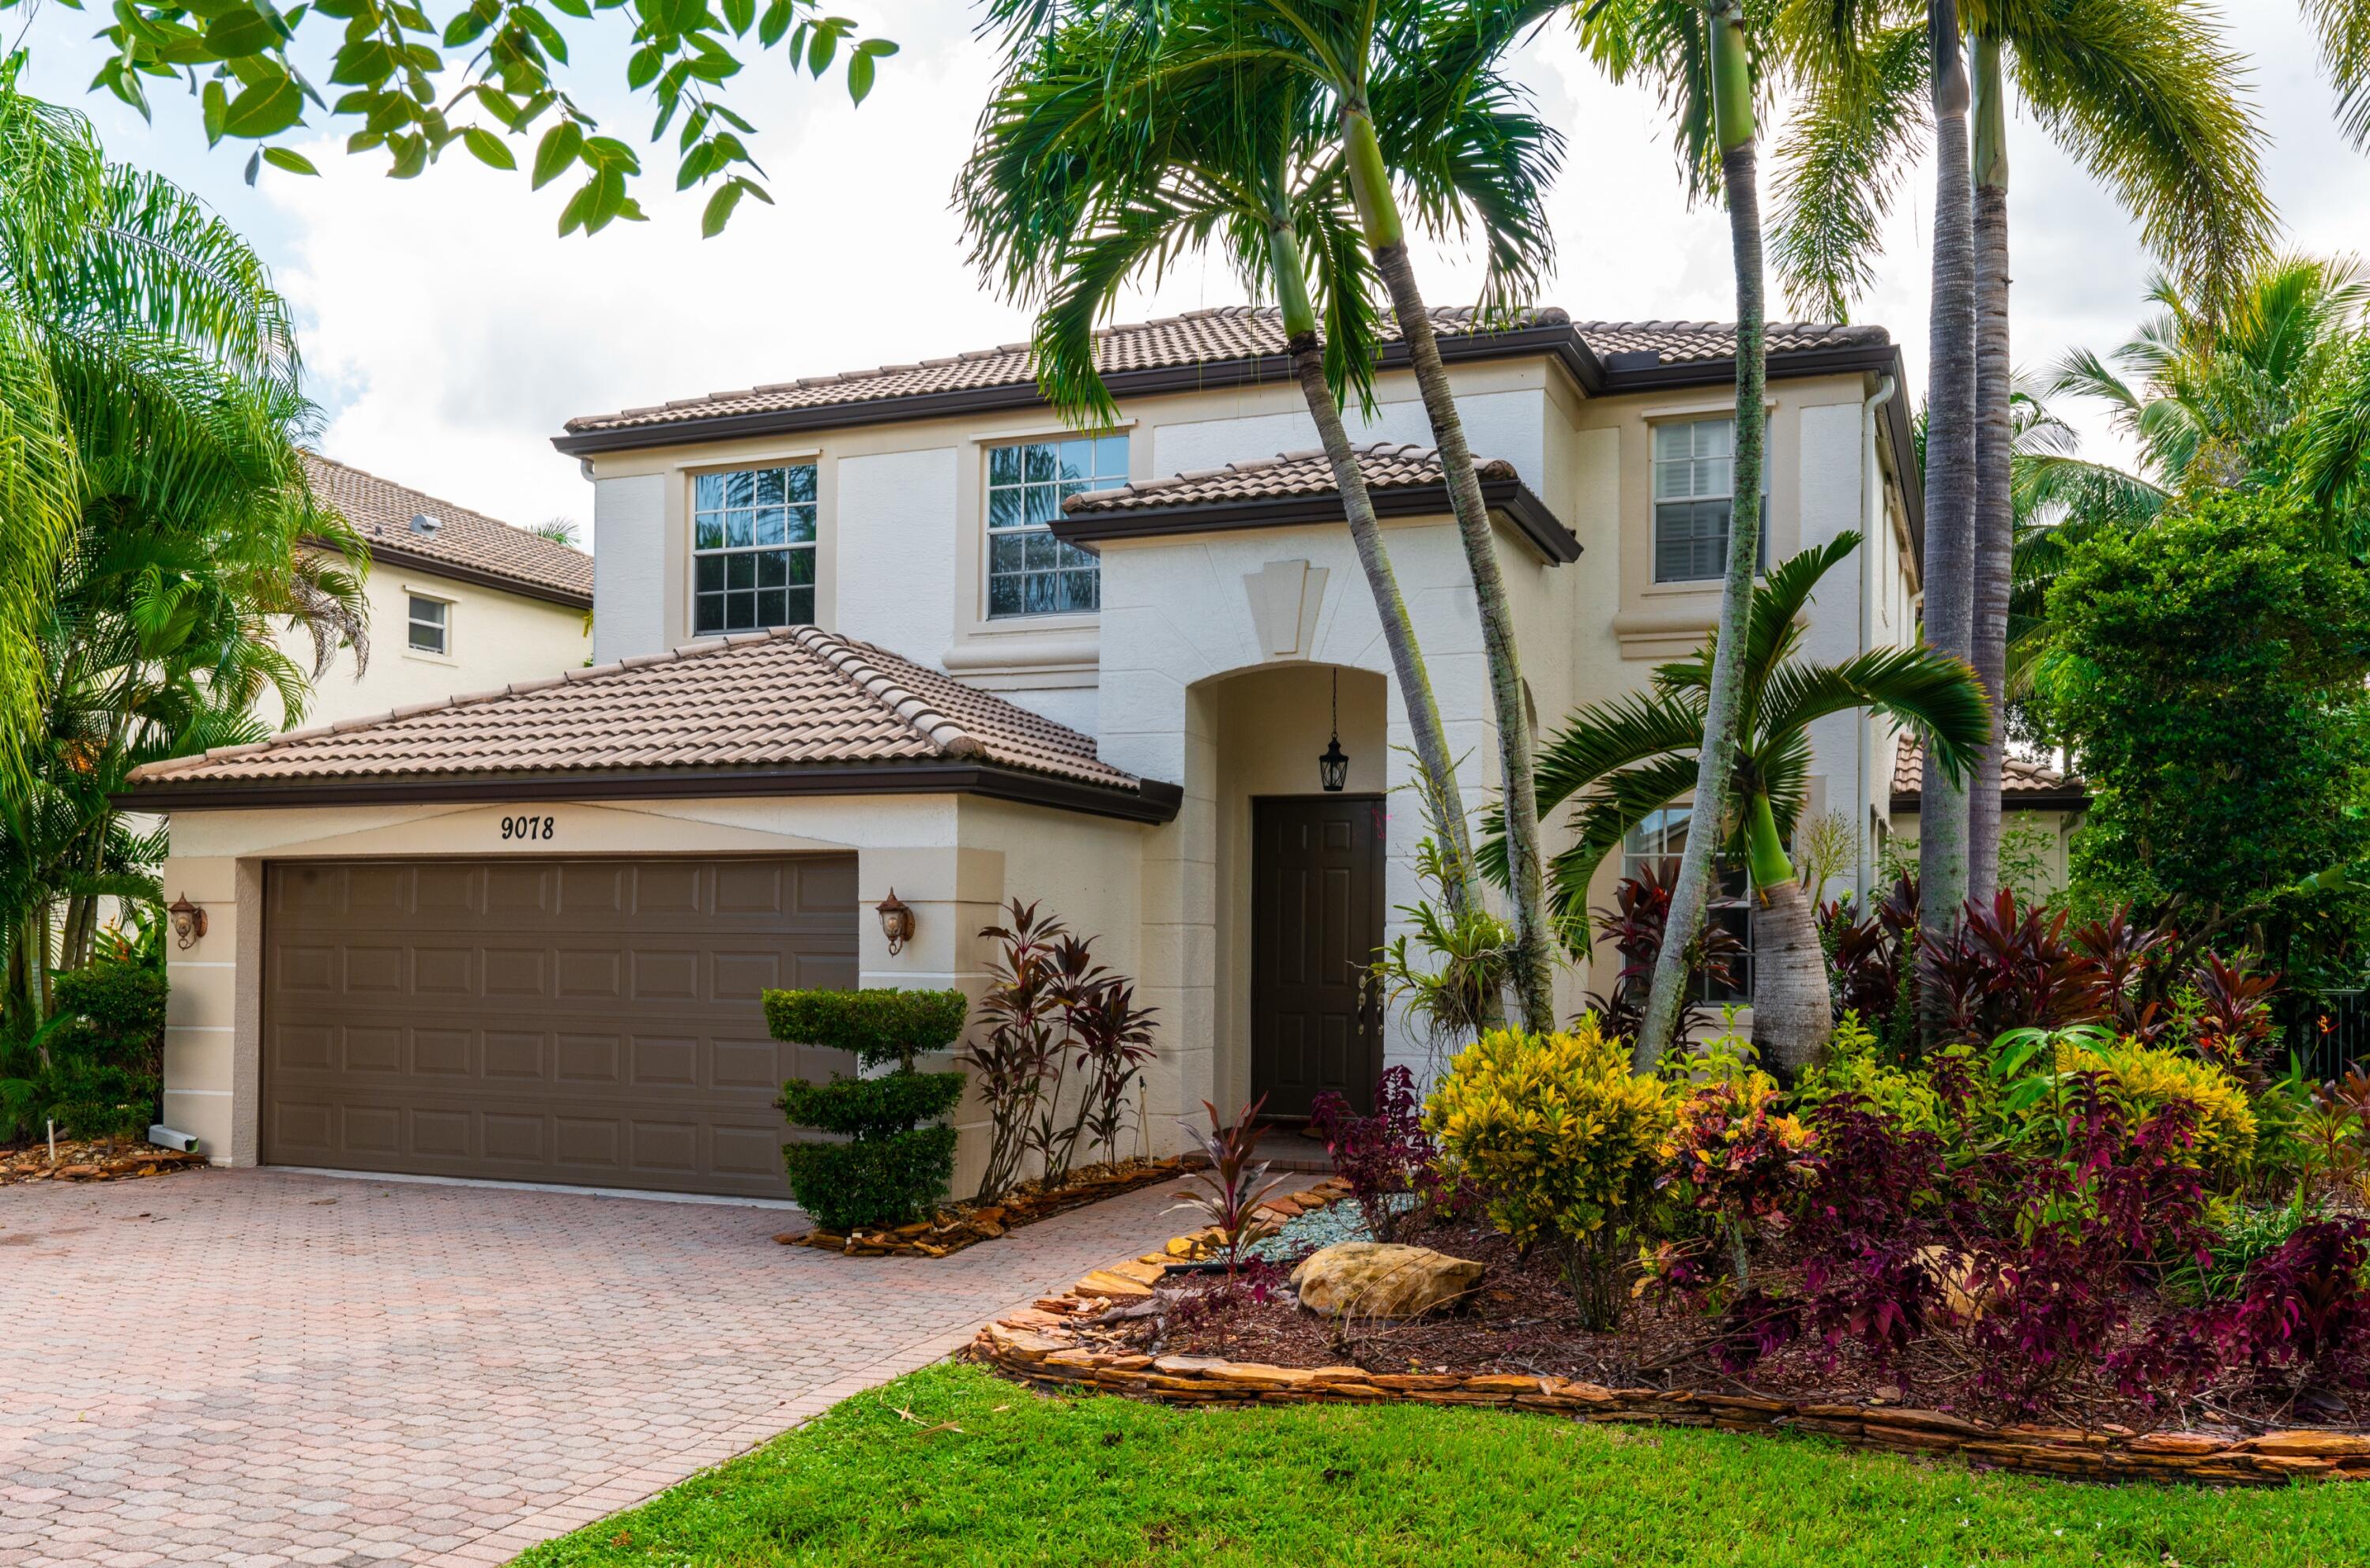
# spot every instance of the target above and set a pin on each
(449, 331)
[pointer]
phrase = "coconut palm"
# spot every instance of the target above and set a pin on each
(1387, 75)
(1695, 52)
(1107, 151)
(2144, 93)
(1619, 761)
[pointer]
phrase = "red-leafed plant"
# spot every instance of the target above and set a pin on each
(2234, 1027)
(1234, 1185)
(1641, 909)
(2010, 967)
(1387, 1158)
(1113, 1037)
(2300, 1324)
(2131, 960)
(1738, 1162)
(1868, 965)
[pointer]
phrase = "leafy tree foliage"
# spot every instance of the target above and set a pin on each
(2211, 684)
(490, 74)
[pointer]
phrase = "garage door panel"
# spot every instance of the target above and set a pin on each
(594, 1022)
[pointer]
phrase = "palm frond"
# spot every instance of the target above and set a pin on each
(2343, 27)
(1861, 127)
(1933, 693)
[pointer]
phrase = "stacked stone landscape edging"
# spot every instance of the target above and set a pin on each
(101, 1160)
(1041, 1346)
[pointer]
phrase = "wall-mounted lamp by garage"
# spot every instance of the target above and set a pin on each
(188, 921)
(896, 922)
(1333, 767)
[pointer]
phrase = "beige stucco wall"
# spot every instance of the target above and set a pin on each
(495, 638)
(2046, 836)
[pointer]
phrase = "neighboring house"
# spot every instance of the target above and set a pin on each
(458, 602)
(969, 655)
(2040, 808)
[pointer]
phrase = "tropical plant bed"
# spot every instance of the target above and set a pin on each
(98, 1160)
(1194, 1338)
(959, 1225)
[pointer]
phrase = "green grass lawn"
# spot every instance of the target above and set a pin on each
(1018, 1478)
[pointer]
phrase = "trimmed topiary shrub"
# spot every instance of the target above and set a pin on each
(890, 1170)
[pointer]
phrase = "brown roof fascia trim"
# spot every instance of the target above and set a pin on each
(1561, 342)
(1153, 801)
(1556, 544)
(476, 576)
(2066, 798)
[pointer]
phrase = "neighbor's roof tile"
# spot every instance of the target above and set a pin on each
(381, 511)
(2018, 775)
(797, 696)
(1223, 334)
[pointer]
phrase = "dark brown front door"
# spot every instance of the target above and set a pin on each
(594, 1021)
(1317, 919)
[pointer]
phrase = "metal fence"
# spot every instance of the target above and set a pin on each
(2334, 1036)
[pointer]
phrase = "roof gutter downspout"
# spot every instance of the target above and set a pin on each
(1872, 519)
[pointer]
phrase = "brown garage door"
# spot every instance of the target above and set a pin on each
(588, 1021)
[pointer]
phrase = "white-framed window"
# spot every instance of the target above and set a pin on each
(1695, 469)
(1030, 572)
(1659, 841)
(752, 549)
(430, 624)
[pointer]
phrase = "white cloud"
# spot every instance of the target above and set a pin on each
(450, 331)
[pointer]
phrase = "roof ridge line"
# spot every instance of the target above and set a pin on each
(485, 517)
(911, 709)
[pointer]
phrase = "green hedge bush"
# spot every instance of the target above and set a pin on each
(104, 1046)
(881, 1181)
(878, 1025)
(892, 1170)
(860, 1108)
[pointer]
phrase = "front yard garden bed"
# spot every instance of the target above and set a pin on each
(959, 1225)
(94, 1159)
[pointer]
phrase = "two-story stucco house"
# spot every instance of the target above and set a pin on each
(902, 630)
(459, 601)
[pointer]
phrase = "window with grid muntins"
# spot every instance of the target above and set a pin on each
(752, 549)
(1659, 841)
(1030, 572)
(1694, 467)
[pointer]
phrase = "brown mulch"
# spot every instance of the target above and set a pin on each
(959, 1225)
(100, 1159)
(1519, 1319)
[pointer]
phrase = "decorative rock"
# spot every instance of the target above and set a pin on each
(2308, 1445)
(1374, 1279)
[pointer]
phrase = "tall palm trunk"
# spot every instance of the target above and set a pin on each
(1793, 1013)
(1949, 465)
(1365, 532)
(1994, 520)
(1724, 704)
(1526, 869)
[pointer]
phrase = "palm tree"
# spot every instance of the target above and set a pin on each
(119, 294)
(1105, 154)
(2271, 391)
(2344, 30)
(1388, 79)
(1624, 759)
(189, 548)
(1695, 52)
(2145, 95)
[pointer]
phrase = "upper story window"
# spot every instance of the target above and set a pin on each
(752, 549)
(431, 625)
(1695, 465)
(1030, 572)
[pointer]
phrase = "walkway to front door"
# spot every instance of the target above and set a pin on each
(266, 1368)
(1317, 919)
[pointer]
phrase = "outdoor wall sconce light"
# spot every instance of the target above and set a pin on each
(896, 922)
(188, 921)
(1333, 767)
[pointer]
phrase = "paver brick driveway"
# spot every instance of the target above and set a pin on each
(262, 1367)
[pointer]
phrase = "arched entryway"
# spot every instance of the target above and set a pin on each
(1300, 882)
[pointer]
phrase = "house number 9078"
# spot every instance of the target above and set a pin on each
(526, 827)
